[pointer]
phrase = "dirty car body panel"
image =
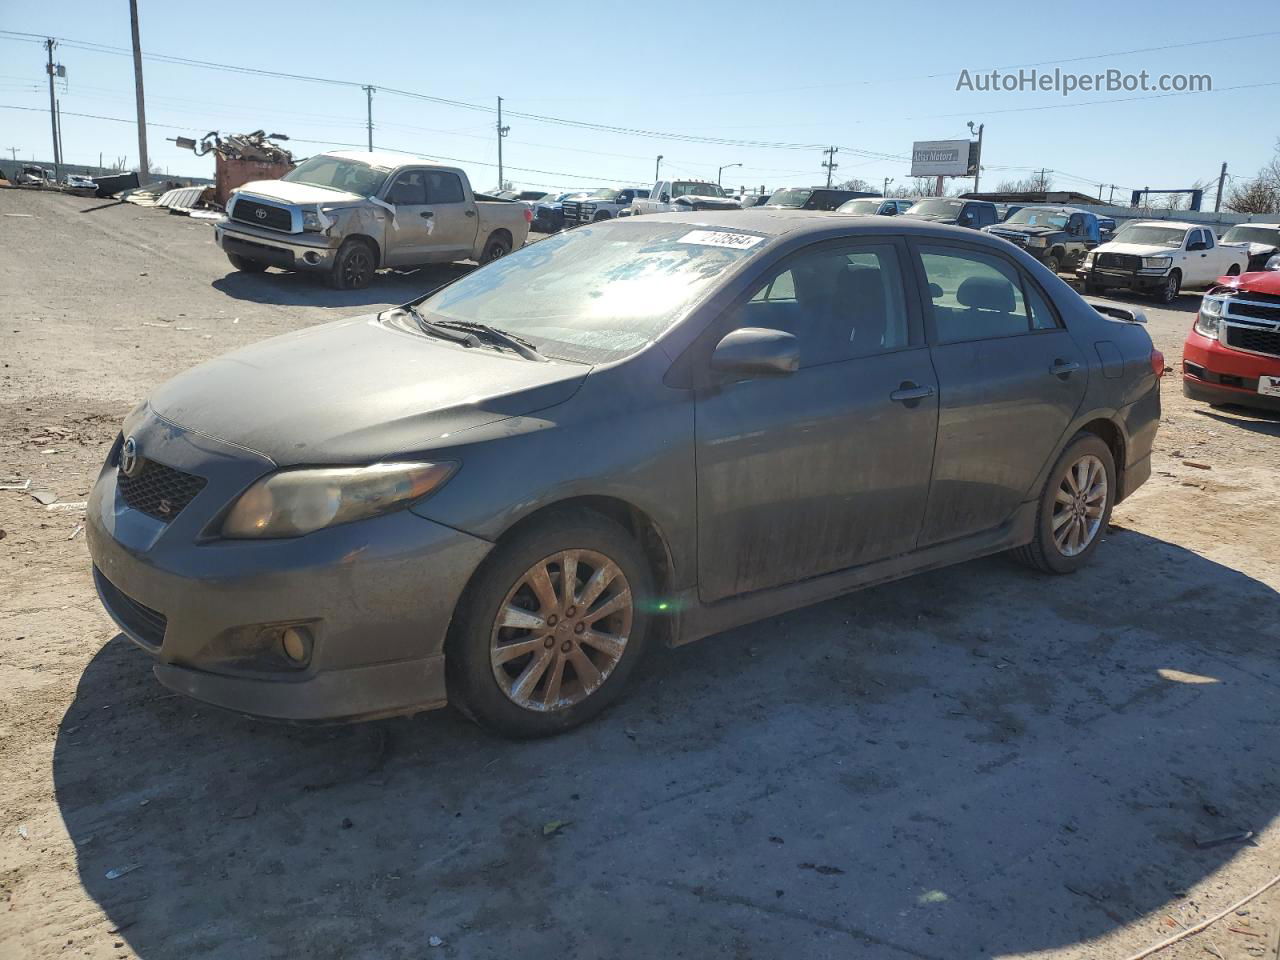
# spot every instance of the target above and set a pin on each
(751, 494)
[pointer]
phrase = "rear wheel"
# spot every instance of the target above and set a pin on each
(548, 632)
(1171, 287)
(1075, 507)
(353, 267)
(245, 265)
(496, 247)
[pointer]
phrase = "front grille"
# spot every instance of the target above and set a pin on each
(158, 491)
(1259, 309)
(146, 624)
(1257, 341)
(1019, 238)
(261, 214)
(1120, 261)
(572, 212)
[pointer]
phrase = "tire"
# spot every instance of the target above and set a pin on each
(602, 215)
(245, 265)
(495, 248)
(354, 266)
(521, 696)
(1054, 263)
(1046, 552)
(1092, 289)
(1172, 287)
(1233, 270)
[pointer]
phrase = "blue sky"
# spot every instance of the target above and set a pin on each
(870, 78)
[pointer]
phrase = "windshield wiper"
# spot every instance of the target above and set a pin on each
(508, 340)
(435, 330)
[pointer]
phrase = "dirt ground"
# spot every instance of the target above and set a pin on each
(976, 762)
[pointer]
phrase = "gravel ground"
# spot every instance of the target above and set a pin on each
(975, 762)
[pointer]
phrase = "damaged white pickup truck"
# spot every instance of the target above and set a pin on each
(345, 214)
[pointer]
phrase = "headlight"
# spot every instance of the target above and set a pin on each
(1088, 259)
(1036, 242)
(1156, 263)
(1273, 263)
(1208, 320)
(311, 221)
(295, 502)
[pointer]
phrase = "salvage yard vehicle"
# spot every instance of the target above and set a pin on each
(1232, 351)
(638, 431)
(602, 204)
(1260, 240)
(345, 214)
(548, 214)
(679, 196)
(812, 198)
(875, 206)
(974, 214)
(1058, 237)
(1160, 257)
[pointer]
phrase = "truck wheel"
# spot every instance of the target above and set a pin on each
(602, 215)
(245, 265)
(547, 633)
(353, 267)
(1233, 270)
(1172, 286)
(1054, 262)
(1091, 288)
(495, 248)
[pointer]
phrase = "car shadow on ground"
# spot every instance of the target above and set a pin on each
(977, 761)
(309, 289)
(1245, 418)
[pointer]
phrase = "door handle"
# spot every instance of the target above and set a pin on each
(909, 393)
(1064, 368)
(426, 214)
(471, 213)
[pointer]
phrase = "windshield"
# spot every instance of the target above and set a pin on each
(1242, 234)
(598, 292)
(337, 173)
(1033, 217)
(789, 198)
(1150, 233)
(859, 206)
(684, 189)
(604, 193)
(936, 207)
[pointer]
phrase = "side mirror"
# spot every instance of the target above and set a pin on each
(757, 352)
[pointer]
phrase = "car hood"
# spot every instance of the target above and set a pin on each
(1260, 281)
(1030, 231)
(1136, 249)
(1252, 247)
(932, 217)
(286, 191)
(357, 391)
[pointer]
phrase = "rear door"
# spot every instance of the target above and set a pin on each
(828, 467)
(1010, 379)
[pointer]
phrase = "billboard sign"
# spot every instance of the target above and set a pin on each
(943, 158)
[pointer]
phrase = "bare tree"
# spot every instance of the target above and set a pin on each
(1039, 182)
(858, 185)
(917, 187)
(1262, 193)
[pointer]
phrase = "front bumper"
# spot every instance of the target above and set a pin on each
(288, 251)
(1213, 373)
(1122, 278)
(376, 595)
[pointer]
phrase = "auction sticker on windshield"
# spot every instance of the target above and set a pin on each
(721, 238)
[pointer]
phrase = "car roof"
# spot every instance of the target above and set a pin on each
(779, 222)
(1179, 224)
(1253, 223)
(384, 158)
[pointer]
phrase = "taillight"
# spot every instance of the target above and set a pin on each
(1157, 362)
(528, 215)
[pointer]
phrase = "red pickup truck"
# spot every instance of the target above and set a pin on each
(1232, 352)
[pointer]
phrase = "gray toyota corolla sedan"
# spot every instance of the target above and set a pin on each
(640, 431)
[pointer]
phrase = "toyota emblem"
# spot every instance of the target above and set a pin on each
(260, 213)
(130, 462)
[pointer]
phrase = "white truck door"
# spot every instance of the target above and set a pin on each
(453, 234)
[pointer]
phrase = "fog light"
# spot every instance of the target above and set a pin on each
(311, 257)
(296, 643)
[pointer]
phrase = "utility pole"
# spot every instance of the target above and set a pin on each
(14, 151)
(656, 167)
(723, 169)
(368, 124)
(52, 69)
(1222, 182)
(502, 132)
(58, 113)
(144, 166)
(830, 162)
(1112, 195)
(977, 167)
(885, 192)
(1100, 186)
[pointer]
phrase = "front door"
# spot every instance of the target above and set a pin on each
(408, 235)
(828, 467)
(453, 235)
(1010, 379)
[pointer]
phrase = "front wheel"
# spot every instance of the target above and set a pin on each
(245, 265)
(554, 622)
(1075, 507)
(1092, 288)
(1233, 270)
(1171, 287)
(353, 267)
(1054, 262)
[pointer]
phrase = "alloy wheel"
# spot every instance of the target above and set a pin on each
(1079, 505)
(355, 272)
(561, 630)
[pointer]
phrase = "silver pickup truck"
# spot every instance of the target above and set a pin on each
(345, 214)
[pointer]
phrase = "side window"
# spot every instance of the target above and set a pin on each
(1208, 239)
(841, 302)
(986, 216)
(974, 295)
(1042, 315)
(1193, 236)
(444, 187)
(409, 188)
